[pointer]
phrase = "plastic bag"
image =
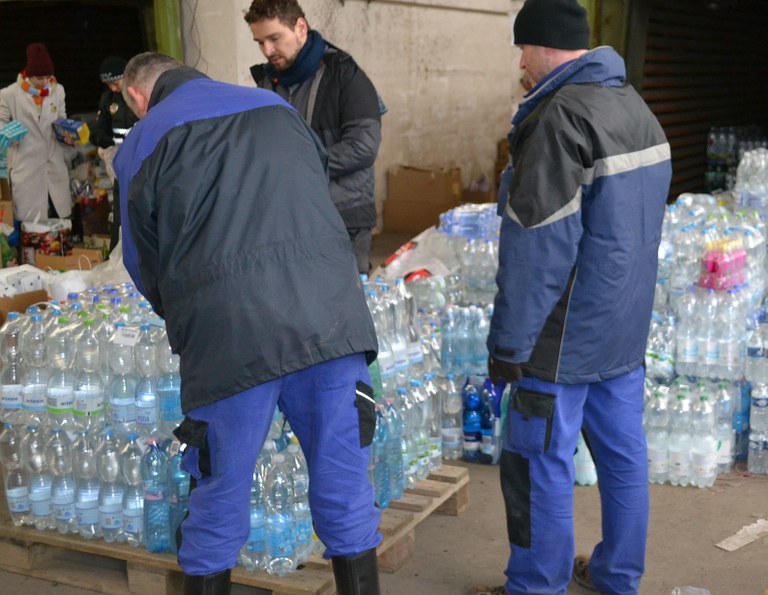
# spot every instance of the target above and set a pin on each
(111, 271)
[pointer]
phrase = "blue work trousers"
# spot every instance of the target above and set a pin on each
(321, 404)
(537, 477)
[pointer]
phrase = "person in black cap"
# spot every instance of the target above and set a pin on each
(113, 121)
(582, 204)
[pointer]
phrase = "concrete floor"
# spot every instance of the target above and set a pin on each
(454, 553)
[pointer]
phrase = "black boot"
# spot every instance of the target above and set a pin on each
(357, 575)
(210, 584)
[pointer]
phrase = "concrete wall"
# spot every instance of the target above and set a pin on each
(446, 69)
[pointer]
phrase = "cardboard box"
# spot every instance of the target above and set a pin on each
(416, 197)
(478, 197)
(5, 191)
(21, 302)
(81, 259)
(6, 209)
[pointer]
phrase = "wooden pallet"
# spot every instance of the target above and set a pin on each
(119, 569)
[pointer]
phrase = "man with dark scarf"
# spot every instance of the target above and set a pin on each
(335, 97)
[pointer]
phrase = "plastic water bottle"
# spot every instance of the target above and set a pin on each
(756, 360)
(35, 379)
(122, 388)
(10, 379)
(490, 422)
(17, 497)
(112, 488)
(61, 384)
(302, 517)
(409, 450)
(178, 493)
(421, 412)
(657, 437)
(87, 494)
(253, 554)
(758, 409)
(725, 434)
(154, 474)
(703, 445)
(395, 451)
(448, 341)
(410, 325)
(168, 387)
(757, 462)
(680, 440)
(472, 423)
(452, 422)
(88, 407)
(464, 342)
(584, 466)
(40, 479)
(687, 334)
(59, 455)
(380, 463)
(279, 506)
(147, 409)
(133, 498)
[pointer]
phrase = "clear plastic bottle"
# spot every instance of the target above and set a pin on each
(178, 493)
(147, 408)
(58, 451)
(421, 412)
(253, 554)
(410, 324)
(133, 498)
(680, 440)
(40, 478)
(10, 379)
(657, 436)
(452, 422)
(168, 387)
(725, 433)
(302, 517)
(35, 378)
(687, 353)
(122, 389)
(703, 444)
(61, 383)
(395, 450)
(154, 474)
(380, 462)
(88, 407)
(409, 450)
(112, 488)
(278, 492)
(87, 493)
(435, 421)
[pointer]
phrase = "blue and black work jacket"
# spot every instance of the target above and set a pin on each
(582, 204)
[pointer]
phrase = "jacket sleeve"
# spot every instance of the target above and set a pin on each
(540, 233)
(101, 135)
(5, 109)
(360, 123)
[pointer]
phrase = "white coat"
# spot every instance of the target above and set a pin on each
(37, 166)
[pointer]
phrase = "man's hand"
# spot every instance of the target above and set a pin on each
(499, 370)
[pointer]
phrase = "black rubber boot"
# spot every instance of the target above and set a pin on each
(357, 575)
(210, 584)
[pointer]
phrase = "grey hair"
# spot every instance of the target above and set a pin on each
(143, 70)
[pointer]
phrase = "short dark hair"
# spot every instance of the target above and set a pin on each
(286, 11)
(143, 70)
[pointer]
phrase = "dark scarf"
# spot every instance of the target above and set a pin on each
(305, 66)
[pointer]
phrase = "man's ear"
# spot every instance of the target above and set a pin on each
(138, 103)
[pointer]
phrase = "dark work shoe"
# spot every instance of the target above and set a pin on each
(580, 574)
(210, 584)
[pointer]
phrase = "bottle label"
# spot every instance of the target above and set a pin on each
(123, 411)
(146, 415)
(33, 396)
(679, 463)
(111, 519)
(452, 437)
(89, 401)
(125, 335)
(688, 350)
(11, 396)
(18, 499)
(64, 511)
(170, 406)
(711, 352)
(133, 519)
(487, 442)
(87, 512)
(658, 463)
(415, 356)
(60, 400)
(724, 454)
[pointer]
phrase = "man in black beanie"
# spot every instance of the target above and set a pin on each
(113, 121)
(582, 203)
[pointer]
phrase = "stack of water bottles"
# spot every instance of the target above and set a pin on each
(752, 179)
(90, 396)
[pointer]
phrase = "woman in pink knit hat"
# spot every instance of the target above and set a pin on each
(37, 165)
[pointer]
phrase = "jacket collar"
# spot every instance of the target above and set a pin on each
(601, 65)
(171, 80)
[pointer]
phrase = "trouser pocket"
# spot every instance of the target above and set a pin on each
(195, 436)
(529, 424)
(366, 411)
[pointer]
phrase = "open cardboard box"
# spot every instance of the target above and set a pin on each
(416, 197)
(81, 259)
(20, 302)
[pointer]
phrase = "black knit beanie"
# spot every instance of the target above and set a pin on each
(111, 69)
(559, 24)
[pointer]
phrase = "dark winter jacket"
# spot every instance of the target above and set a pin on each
(113, 121)
(344, 110)
(582, 206)
(233, 238)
